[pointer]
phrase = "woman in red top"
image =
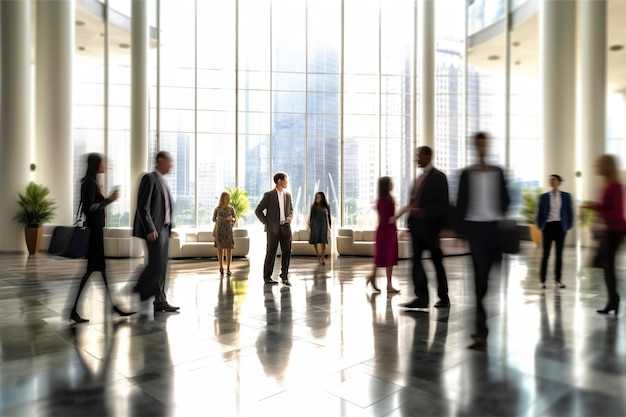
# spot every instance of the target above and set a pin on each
(611, 209)
(386, 245)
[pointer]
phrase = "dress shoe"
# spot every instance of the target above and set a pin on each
(415, 304)
(123, 313)
(286, 282)
(165, 307)
(270, 281)
(442, 304)
(559, 284)
(76, 318)
(480, 343)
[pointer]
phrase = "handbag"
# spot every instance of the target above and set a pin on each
(71, 241)
(508, 236)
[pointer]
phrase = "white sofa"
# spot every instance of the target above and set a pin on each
(361, 242)
(199, 243)
(300, 243)
(119, 242)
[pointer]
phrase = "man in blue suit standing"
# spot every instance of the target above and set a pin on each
(555, 217)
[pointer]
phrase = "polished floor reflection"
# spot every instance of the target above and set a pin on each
(324, 347)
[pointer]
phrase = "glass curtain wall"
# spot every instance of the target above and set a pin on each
(89, 101)
(397, 50)
(323, 90)
(450, 143)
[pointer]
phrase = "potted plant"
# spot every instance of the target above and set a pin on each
(36, 209)
(239, 201)
(530, 204)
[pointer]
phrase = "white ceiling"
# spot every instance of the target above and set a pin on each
(525, 56)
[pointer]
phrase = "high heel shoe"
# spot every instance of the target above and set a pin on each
(221, 271)
(123, 313)
(391, 290)
(229, 273)
(76, 318)
(608, 309)
(370, 280)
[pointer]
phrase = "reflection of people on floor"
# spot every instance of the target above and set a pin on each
(150, 363)
(551, 341)
(384, 330)
(274, 343)
(225, 321)
(87, 389)
(428, 351)
(318, 304)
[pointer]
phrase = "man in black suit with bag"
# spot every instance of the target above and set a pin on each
(482, 202)
(153, 222)
(427, 210)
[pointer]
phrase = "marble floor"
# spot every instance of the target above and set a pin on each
(324, 347)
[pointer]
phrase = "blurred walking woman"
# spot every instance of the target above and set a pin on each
(224, 217)
(93, 205)
(319, 222)
(611, 209)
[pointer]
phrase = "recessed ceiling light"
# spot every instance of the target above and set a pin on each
(616, 48)
(124, 45)
(80, 23)
(515, 43)
(493, 57)
(518, 62)
(81, 48)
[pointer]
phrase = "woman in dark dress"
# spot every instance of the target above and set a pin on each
(386, 245)
(93, 205)
(319, 222)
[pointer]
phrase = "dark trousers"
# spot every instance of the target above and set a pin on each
(606, 259)
(427, 241)
(552, 232)
(152, 280)
(483, 242)
(273, 239)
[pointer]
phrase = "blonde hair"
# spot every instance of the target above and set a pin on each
(607, 165)
(222, 202)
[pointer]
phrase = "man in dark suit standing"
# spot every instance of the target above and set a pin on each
(276, 211)
(429, 204)
(153, 222)
(483, 199)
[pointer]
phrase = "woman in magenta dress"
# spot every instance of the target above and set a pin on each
(386, 245)
(610, 209)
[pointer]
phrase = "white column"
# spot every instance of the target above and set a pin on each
(15, 102)
(557, 55)
(426, 40)
(53, 103)
(593, 92)
(139, 97)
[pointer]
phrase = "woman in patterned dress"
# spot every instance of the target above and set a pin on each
(224, 217)
(386, 245)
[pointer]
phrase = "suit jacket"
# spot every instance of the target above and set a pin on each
(434, 200)
(464, 194)
(150, 214)
(268, 210)
(567, 212)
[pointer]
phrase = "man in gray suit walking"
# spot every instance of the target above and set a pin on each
(153, 222)
(276, 211)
